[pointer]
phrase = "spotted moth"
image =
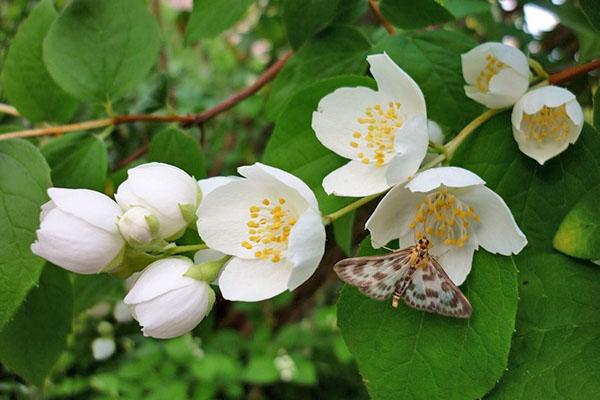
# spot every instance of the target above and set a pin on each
(411, 274)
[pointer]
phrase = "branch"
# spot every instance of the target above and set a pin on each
(375, 9)
(200, 118)
(10, 110)
(574, 72)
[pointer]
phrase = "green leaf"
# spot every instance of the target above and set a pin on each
(596, 115)
(408, 15)
(337, 51)
(409, 354)
(176, 147)
(24, 178)
(77, 161)
(343, 232)
(579, 233)
(465, 8)
(432, 59)
(89, 290)
(31, 343)
(587, 36)
(555, 351)
(591, 9)
(305, 18)
(99, 50)
(210, 18)
(294, 147)
(27, 84)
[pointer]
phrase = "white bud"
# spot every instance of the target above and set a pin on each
(167, 192)
(78, 231)
(545, 121)
(103, 348)
(139, 226)
(167, 303)
(497, 75)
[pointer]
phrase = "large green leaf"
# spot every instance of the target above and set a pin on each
(176, 147)
(99, 50)
(295, 148)
(337, 51)
(432, 59)
(579, 233)
(31, 343)
(591, 9)
(210, 18)
(555, 350)
(27, 84)
(596, 114)
(304, 18)
(409, 15)
(77, 161)
(24, 178)
(409, 354)
(88, 290)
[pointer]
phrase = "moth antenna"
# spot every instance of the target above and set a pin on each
(383, 247)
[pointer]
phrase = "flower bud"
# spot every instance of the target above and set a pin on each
(139, 226)
(78, 231)
(545, 121)
(167, 192)
(167, 303)
(497, 75)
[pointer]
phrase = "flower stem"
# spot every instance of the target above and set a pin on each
(186, 248)
(384, 22)
(452, 145)
(329, 218)
(538, 69)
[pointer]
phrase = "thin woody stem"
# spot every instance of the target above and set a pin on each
(574, 72)
(202, 117)
(10, 110)
(452, 145)
(384, 22)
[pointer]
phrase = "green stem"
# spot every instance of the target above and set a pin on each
(438, 148)
(329, 218)
(452, 145)
(105, 132)
(185, 249)
(538, 69)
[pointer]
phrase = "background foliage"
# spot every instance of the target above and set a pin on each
(534, 332)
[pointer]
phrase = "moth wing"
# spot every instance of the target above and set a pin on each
(376, 276)
(432, 290)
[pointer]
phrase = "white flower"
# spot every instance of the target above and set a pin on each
(165, 302)
(383, 132)
(271, 225)
(138, 226)
(455, 211)
(169, 193)
(545, 121)
(497, 74)
(78, 231)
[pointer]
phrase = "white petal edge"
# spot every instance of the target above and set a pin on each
(433, 178)
(209, 184)
(306, 247)
(457, 262)
(356, 179)
(253, 280)
(159, 278)
(411, 143)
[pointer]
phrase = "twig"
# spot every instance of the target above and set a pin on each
(204, 116)
(10, 110)
(375, 9)
(573, 72)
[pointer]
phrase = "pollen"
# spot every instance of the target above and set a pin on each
(381, 122)
(492, 67)
(549, 123)
(269, 226)
(442, 216)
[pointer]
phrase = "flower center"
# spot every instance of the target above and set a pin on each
(381, 123)
(441, 215)
(492, 67)
(549, 122)
(269, 228)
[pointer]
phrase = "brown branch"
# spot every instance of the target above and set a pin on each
(204, 116)
(375, 9)
(573, 72)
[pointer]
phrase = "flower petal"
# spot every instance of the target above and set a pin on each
(448, 176)
(91, 206)
(209, 184)
(457, 262)
(306, 247)
(497, 231)
(335, 119)
(490, 100)
(253, 280)
(512, 57)
(276, 176)
(392, 217)
(509, 83)
(574, 111)
(391, 79)
(160, 277)
(549, 96)
(411, 144)
(436, 135)
(356, 179)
